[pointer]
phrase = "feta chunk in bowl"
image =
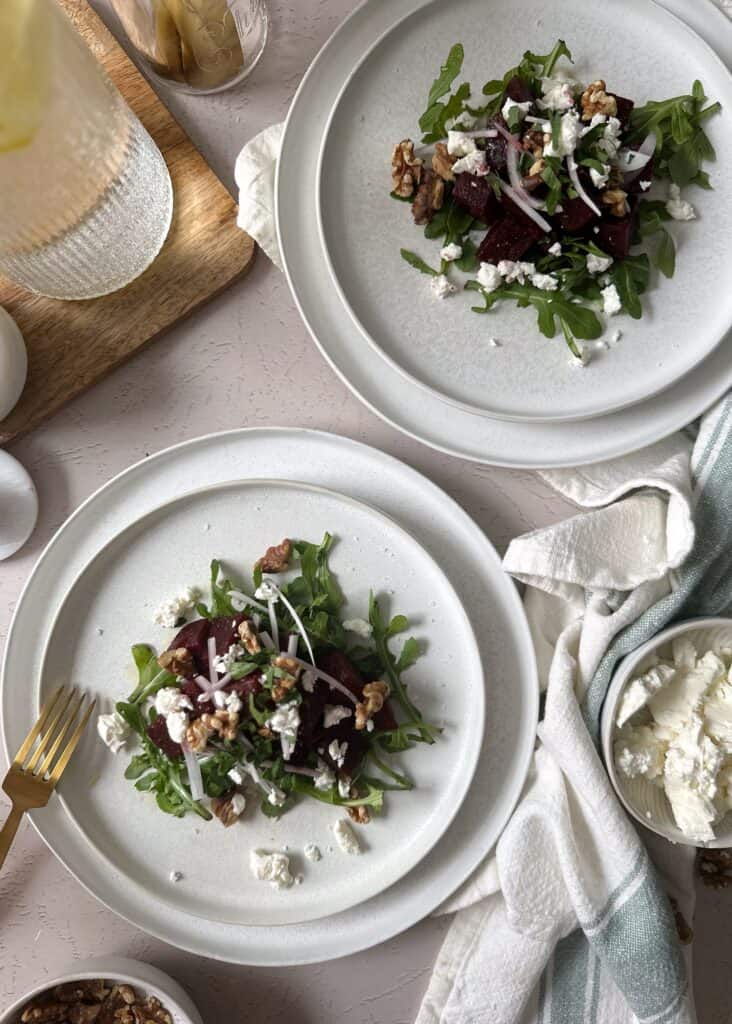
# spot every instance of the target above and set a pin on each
(666, 733)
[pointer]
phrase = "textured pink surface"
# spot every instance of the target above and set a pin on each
(240, 361)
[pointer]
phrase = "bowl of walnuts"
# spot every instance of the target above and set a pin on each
(109, 990)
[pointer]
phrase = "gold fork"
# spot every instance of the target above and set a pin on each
(30, 780)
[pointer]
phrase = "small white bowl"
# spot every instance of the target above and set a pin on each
(647, 803)
(147, 980)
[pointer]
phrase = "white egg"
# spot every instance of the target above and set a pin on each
(13, 363)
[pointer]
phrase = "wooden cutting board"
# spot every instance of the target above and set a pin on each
(71, 345)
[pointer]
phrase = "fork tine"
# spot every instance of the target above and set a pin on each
(46, 737)
(35, 731)
(70, 719)
(71, 746)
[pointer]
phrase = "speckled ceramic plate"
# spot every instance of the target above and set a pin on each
(411, 408)
(444, 530)
(441, 345)
(111, 605)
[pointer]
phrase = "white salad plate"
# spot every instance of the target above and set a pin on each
(403, 403)
(445, 532)
(441, 344)
(111, 605)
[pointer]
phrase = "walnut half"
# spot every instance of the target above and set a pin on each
(406, 169)
(179, 661)
(374, 696)
(442, 162)
(429, 198)
(595, 100)
(277, 558)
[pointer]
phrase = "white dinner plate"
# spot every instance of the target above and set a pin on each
(111, 605)
(387, 392)
(440, 344)
(469, 561)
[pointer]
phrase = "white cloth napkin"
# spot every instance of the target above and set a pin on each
(255, 177)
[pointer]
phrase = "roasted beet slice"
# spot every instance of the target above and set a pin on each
(158, 733)
(249, 684)
(519, 90)
(476, 195)
(225, 632)
(311, 720)
(615, 236)
(576, 216)
(385, 719)
(194, 638)
(193, 691)
(509, 239)
(344, 732)
(340, 666)
(625, 107)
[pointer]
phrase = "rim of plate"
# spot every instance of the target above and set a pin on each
(477, 732)
(673, 408)
(360, 933)
(468, 407)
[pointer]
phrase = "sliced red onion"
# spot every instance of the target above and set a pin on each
(292, 645)
(275, 629)
(297, 620)
(212, 673)
(267, 640)
(195, 779)
(334, 683)
(512, 159)
(509, 137)
(207, 688)
(645, 151)
(574, 178)
(244, 600)
(535, 120)
(297, 770)
(522, 205)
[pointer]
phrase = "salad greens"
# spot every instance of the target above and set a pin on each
(264, 681)
(578, 174)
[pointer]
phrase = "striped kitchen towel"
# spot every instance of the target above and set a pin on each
(571, 922)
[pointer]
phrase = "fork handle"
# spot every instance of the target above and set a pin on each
(7, 835)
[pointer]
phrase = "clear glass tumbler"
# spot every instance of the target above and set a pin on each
(200, 46)
(85, 196)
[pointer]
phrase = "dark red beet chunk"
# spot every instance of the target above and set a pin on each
(615, 236)
(509, 239)
(193, 691)
(576, 216)
(644, 177)
(495, 152)
(476, 195)
(158, 733)
(344, 732)
(338, 665)
(625, 106)
(311, 719)
(225, 632)
(249, 684)
(194, 638)
(518, 90)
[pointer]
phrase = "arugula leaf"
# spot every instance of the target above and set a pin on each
(433, 121)
(150, 676)
(665, 257)
(437, 227)
(681, 142)
(373, 797)
(630, 277)
(469, 259)
(417, 262)
(448, 73)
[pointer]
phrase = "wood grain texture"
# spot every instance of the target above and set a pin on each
(73, 344)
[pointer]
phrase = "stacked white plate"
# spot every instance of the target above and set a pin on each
(427, 366)
(153, 530)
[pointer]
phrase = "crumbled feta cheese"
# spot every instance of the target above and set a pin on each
(460, 144)
(177, 723)
(645, 185)
(325, 778)
(338, 751)
(223, 662)
(274, 794)
(113, 730)
(312, 852)
(677, 207)
(361, 627)
(569, 134)
(611, 303)
(228, 701)
(616, 336)
(598, 264)
(547, 282)
(370, 723)
(335, 713)
(285, 722)
(609, 144)
(442, 287)
(171, 611)
(600, 178)
(489, 277)
(266, 591)
(448, 253)
(345, 837)
(238, 803)
(236, 776)
(170, 699)
(675, 729)
(344, 788)
(556, 249)
(307, 681)
(521, 109)
(585, 356)
(511, 270)
(271, 867)
(494, 343)
(557, 92)
(175, 876)
(472, 163)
